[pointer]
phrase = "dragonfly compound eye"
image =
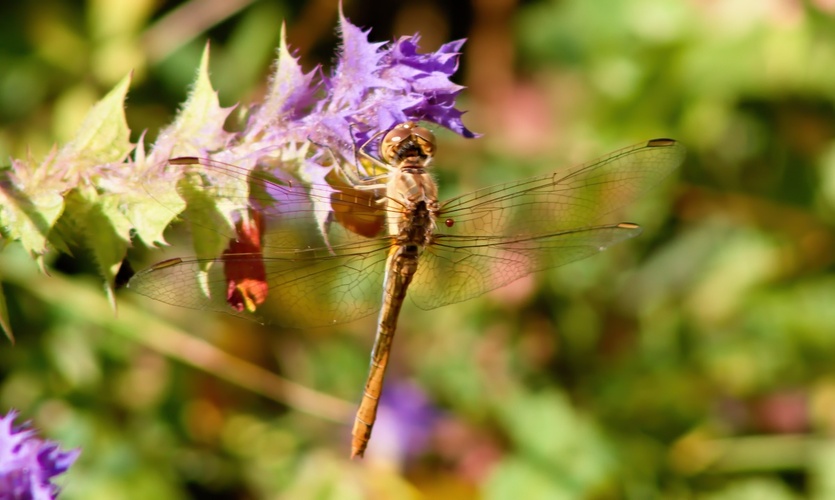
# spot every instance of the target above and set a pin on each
(390, 142)
(425, 139)
(406, 135)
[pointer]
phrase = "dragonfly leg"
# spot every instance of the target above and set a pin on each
(359, 179)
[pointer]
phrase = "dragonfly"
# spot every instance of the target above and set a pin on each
(319, 254)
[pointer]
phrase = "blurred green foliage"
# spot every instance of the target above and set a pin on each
(692, 362)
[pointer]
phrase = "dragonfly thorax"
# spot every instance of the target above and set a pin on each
(412, 206)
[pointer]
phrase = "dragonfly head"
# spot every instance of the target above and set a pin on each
(408, 143)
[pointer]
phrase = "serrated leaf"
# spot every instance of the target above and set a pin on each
(31, 200)
(70, 226)
(108, 246)
(290, 88)
(110, 207)
(29, 219)
(106, 231)
(210, 223)
(103, 136)
(133, 205)
(289, 83)
(150, 216)
(30, 203)
(59, 243)
(198, 127)
(149, 198)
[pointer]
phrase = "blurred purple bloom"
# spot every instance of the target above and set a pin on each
(27, 463)
(405, 423)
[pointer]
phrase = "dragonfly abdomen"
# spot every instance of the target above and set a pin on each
(400, 269)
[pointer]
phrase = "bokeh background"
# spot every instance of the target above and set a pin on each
(696, 361)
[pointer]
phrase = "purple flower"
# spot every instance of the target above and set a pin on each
(373, 87)
(405, 423)
(27, 463)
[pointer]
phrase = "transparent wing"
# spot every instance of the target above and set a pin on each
(460, 268)
(322, 258)
(306, 288)
(491, 237)
(567, 199)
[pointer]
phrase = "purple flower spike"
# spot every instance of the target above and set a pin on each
(373, 87)
(27, 463)
(310, 123)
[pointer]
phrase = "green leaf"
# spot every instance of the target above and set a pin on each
(211, 227)
(199, 125)
(107, 244)
(288, 81)
(150, 215)
(198, 129)
(31, 200)
(30, 203)
(103, 137)
(105, 231)
(149, 200)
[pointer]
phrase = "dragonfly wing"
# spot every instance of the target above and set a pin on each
(458, 268)
(315, 244)
(306, 288)
(493, 236)
(567, 199)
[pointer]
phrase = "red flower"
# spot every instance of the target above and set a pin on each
(243, 265)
